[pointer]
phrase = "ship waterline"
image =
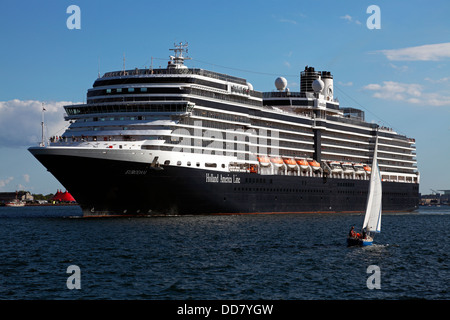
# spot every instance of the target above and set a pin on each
(192, 141)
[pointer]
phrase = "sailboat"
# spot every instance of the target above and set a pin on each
(372, 218)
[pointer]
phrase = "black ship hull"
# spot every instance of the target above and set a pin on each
(111, 187)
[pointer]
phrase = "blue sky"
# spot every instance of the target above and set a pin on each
(399, 74)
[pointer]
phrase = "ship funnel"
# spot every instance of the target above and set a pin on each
(327, 79)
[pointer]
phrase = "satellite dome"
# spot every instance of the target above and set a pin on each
(318, 85)
(280, 83)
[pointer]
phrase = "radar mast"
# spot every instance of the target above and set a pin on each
(177, 61)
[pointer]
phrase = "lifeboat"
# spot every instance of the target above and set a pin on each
(367, 168)
(347, 166)
(290, 162)
(314, 164)
(303, 163)
(277, 161)
(335, 166)
(264, 161)
(358, 167)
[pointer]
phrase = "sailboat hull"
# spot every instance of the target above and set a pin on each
(351, 242)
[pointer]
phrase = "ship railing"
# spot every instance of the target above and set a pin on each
(175, 71)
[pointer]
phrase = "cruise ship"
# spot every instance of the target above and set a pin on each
(185, 141)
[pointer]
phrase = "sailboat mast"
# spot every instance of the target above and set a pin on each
(42, 126)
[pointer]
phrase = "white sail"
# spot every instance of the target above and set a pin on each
(372, 219)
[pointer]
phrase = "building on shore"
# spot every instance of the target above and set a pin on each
(436, 198)
(20, 195)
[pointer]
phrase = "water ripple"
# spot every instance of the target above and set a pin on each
(220, 257)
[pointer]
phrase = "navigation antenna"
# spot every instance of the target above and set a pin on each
(42, 144)
(177, 61)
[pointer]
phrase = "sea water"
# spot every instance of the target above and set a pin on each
(275, 257)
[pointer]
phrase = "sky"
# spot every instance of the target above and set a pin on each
(392, 62)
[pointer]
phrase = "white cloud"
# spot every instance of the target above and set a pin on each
(407, 92)
(6, 181)
(295, 15)
(26, 177)
(20, 121)
(441, 80)
(429, 52)
(349, 18)
(399, 68)
(345, 84)
(288, 21)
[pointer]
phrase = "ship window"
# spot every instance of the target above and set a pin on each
(119, 89)
(198, 164)
(143, 89)
(178, 163)
(108, 90)
(189, 163)
(210, 165)
(167, 162)
(130, 89)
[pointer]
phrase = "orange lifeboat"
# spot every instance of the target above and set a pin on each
(277, 161)
(314, 164)
(264, 161)
(302, 162)
(367, 168)
(290, 162)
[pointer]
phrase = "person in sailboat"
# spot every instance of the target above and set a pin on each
(352, 233)
(364, 235)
